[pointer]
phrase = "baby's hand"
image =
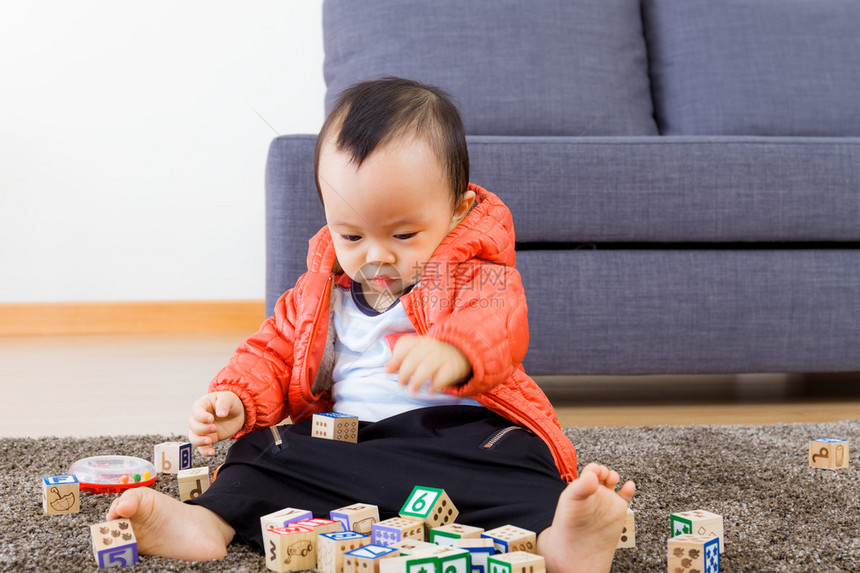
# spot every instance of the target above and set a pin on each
(214, 417)
(418, 358)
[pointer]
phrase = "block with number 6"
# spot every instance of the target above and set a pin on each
(430, 504)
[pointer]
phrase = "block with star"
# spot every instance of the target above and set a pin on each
(510, 538)
(421, 563)
(390, 531)
(698, 522)
(335, 426)
(431, 505)
(516, 562)
(688, 553)
(331, 548)
(445, 534)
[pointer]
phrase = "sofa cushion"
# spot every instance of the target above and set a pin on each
(755, 67)
(552, 67)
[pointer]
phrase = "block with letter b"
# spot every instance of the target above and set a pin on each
(430, 504)
(828, 453)
(114, 543)
(688, 553)
(358, 517)
(516, 562)
(335, 426)
(170, 457)
(332, 546)
(698, 522)
(193, 482)
(509, 538)
(61, 494)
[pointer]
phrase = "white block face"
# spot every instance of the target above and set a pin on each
(170, 457)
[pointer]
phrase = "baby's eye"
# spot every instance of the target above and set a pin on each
(351, 238)
(404, 236)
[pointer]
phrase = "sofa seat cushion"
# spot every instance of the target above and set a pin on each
(755, 67)
(674, 189)
(553, 67)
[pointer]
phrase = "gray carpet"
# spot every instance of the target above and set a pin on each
(779, 514)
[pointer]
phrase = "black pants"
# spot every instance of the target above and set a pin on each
(494, 472)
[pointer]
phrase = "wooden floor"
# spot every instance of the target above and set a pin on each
(144, 383)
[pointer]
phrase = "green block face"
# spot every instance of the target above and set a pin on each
(680, 525)
(421, 501)
(422, 565)
(496, 566)
(456, 564)
(435, 536)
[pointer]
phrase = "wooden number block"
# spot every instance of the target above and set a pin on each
(193, 482)
(510, 538)
(114, 543)
(366, 559)
(61, 494)
(454, 560)
(170, 457)
(628, 535)
(699, 522)
(447, 533)
(320, 525)
(284, 517)
(390, 531)
(479, 550)
(410, 564)
(689, 553)
(290, 548)
(335, 426)
(828, 453)
(516, 562)
(358, 517)
(332, 546)
(430, 504)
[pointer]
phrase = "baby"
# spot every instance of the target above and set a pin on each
(412, 317)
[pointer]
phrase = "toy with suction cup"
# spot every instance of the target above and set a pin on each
(113, 474)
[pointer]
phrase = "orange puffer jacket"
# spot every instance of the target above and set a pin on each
(470, 295)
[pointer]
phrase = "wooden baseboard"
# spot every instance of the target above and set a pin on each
(130, 317)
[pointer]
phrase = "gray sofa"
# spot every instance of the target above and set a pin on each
(684, 175)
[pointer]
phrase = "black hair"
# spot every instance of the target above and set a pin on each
(370, 114)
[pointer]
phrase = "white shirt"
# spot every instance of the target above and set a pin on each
(365, 340)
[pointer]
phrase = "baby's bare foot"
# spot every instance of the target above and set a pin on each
(166, 527)
(588, 523)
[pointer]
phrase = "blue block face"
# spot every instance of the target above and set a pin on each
(343, 535)
(123, 556)
(60, 480)
(385, 536)
(335, 415)
(371, 551)
(712, 556)
(185, 457)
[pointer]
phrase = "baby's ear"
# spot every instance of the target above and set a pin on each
(462, 207)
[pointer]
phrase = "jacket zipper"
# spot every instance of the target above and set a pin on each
(499, 435)
(324, 300)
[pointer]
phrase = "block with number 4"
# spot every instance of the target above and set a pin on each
(516, 562)
(828, 453)
(396, 529)
(114, 543)
(688, 553)
(332, 546)
(699, 522)
(335, 426)
(358, 517)
(510, 538)
(431, 505)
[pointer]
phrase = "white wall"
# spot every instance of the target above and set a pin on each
(132, 155)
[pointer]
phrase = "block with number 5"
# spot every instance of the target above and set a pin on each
(114, 543)
(431, 505)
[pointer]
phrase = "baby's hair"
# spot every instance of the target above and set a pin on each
(370, 114)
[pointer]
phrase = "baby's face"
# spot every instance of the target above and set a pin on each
(388, 216)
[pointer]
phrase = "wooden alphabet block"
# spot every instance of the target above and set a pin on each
(192, 483)
(366, 559)
(699, 522)
(510, 538)
(332, 546)
(516, 562)
(445, 534)
(284, 517)
(290, 549)
(479, 549)
(828, 453)
(320, 525)
(335, 426)
(430, 504)
(688, 553)
(628, 535)
(410, 564)
(414, 547)
(61, 494)
(358, 517)
(454, 560)
(114, 543)
(390, 531)
(170, 457)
